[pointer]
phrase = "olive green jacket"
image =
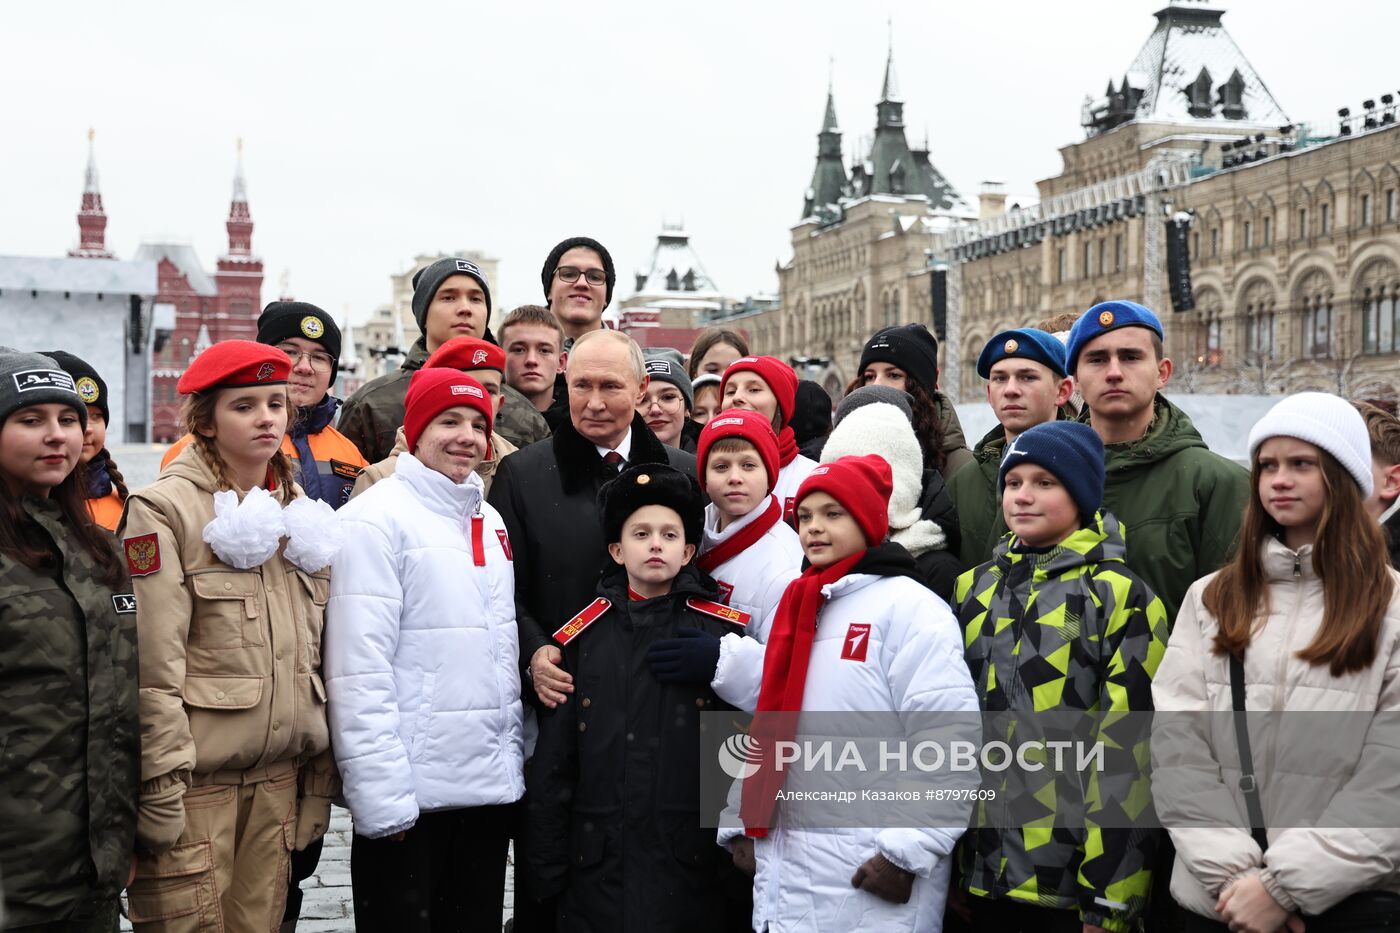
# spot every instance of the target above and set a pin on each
(974, 492)
(1183, 503)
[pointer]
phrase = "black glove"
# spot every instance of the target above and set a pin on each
(689, 659)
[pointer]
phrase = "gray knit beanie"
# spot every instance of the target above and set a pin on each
(34, 379)
(869, 395)
(667, 365)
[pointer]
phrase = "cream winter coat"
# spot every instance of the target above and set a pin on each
(1350, 776)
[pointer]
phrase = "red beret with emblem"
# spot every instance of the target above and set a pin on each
(235, 364)
(467, 353)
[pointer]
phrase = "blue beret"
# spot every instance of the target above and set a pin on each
(1026, 343)
(1104, 317)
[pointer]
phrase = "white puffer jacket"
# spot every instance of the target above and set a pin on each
(913, 662)
(790, 480)
(754, 580)
(1354, 770)
(421, 653)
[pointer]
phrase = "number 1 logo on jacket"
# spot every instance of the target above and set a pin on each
(857, 640)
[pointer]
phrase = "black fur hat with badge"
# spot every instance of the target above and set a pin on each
(651, 484)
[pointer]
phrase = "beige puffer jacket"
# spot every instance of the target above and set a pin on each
(1345, 776)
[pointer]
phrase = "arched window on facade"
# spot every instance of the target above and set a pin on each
(1314, 299)
(1259, 323)
(1378, 292)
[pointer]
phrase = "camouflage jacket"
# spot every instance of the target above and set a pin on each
(1070, 629)
(69, 735)
(373, 415)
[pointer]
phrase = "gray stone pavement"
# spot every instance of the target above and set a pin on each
(327, 906)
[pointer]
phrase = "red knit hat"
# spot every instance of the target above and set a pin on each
(861, 484)
(432, 391)
(466, 353)
(746, 425)
(235, 363)
(781, 379)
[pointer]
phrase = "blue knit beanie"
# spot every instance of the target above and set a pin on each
(1104, 317)
(1071, 451)
(1027, 343)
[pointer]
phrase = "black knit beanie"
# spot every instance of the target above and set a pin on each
(283, 319)
(92, 388)
(552, 263)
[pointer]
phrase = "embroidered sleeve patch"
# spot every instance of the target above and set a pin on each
(575, 626)
(345, 470)
(505, 543)
(142, 554)
(720, 611)
(124, 603)
(726, 591)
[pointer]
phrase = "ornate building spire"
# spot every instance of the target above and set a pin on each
(92, 218)
(829, 180)
(240, 222)
(890, 90)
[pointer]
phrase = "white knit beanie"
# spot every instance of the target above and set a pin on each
(884, 429)
(1323, 420)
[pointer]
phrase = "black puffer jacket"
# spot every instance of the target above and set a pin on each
(939, 567)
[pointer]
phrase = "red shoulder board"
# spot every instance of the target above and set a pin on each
(142, 554)
(575, 626)
(719, 611)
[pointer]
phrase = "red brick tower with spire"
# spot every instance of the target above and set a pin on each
(240, 274)
(92, 219)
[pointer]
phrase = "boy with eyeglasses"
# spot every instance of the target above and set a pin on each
(578, 279)
(325, 462)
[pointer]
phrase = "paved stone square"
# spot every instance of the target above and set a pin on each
(327, 906)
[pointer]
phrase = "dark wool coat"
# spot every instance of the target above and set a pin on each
(547, 494)
(614, 806)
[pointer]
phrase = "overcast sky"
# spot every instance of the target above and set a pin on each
(374, 132)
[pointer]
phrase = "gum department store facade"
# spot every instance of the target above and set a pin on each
(1293, 241)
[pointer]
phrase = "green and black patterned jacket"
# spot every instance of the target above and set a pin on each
(69, 735)
(1069, 629)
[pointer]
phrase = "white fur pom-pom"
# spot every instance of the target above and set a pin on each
(314, 535)
(244, 534)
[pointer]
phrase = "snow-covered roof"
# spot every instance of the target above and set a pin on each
(675, 269)
(85, 276)
(1189, 42)
(184, 258)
